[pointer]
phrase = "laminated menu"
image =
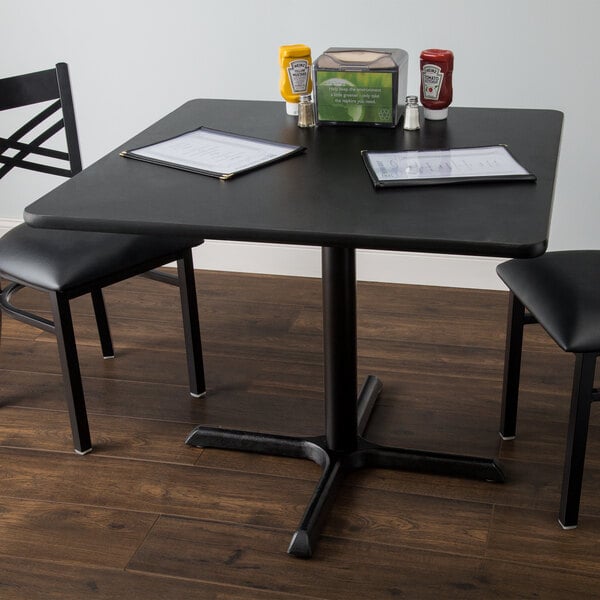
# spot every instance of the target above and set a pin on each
(212, 152)
(457, 165)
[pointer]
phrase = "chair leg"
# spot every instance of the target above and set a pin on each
(65, 336)
(191, 324)
(102, 324)
(512, 368)
(581, 399)
(0, 315)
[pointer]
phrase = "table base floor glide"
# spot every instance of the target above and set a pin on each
(342, 449)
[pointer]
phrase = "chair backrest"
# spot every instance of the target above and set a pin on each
(34, 88)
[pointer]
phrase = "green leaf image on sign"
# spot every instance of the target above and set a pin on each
(354, 97)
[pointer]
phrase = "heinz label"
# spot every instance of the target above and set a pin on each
(431, 78)
(299, 76)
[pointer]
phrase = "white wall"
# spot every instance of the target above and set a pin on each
(131, 61)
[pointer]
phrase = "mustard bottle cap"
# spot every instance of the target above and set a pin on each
(293, 51)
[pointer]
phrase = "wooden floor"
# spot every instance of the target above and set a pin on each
(145, 516)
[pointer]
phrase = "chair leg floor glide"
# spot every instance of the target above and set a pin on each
(80, 453)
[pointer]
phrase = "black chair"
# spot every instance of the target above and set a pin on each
(68, 264)
(561, 292)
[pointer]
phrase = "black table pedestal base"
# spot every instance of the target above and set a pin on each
(337, 464)
(342, 449)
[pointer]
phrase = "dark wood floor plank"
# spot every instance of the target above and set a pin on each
(103, 395)
(249, 462)
(501, 580)
(545, 441)
(437, 524)
(527, 485)
(251, 557)
(142, 439)
(70, 533)
(25, 579)
(535, 538)
(415, 329)
(399, 300)
(154, 487)
(290, 291)
(230, 401)
(134, 364)
(219, 320)
(14, 329)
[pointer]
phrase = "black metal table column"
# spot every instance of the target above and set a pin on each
(339, 347)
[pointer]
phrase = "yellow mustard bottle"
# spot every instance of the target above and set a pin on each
(295, 79)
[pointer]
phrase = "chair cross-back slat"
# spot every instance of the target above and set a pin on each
(37, 87)
(7, 143)
(32, 88)
(32, 123)
(34, 147)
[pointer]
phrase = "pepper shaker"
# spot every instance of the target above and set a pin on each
(306, 111)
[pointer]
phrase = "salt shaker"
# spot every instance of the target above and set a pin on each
(306, 111)
(411, 114)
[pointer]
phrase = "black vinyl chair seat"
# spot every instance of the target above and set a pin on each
(51, 259)
(561, 292)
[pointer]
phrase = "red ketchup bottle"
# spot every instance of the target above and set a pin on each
(436, 82)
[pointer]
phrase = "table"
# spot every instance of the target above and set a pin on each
(325, 198)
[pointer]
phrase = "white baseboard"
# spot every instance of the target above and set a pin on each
(372, 265)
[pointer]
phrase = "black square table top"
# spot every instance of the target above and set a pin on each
(323, 197)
